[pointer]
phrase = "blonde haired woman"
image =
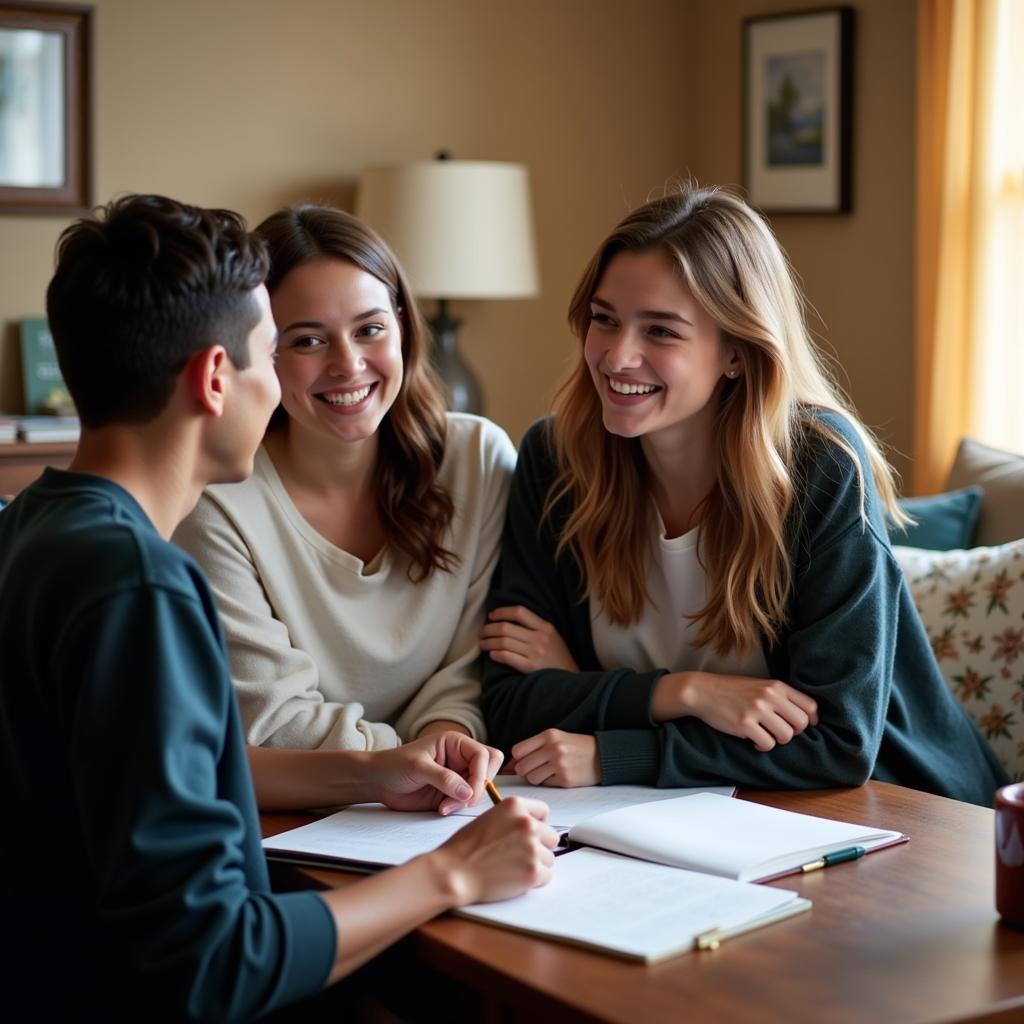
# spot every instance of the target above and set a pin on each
(696, 584)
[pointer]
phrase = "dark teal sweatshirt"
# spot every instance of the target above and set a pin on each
(852, 640)
(131, 874)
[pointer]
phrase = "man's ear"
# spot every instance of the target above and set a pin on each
(206, 375)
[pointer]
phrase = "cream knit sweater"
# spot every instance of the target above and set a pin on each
(328, 652)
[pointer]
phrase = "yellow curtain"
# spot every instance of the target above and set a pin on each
(970, 230)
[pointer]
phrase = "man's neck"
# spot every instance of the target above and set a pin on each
(153, 466)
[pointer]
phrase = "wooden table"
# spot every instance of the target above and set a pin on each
(905, 934)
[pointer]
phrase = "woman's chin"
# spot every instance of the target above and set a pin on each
(622, 426)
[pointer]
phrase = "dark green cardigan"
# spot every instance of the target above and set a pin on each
(852, 640)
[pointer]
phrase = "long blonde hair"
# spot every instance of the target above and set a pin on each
(737, 272)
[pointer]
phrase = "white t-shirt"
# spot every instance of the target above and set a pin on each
(327, 651)
(664, 637)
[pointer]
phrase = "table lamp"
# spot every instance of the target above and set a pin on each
(462, 229)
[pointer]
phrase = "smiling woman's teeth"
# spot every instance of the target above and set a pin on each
(631, 389)
(347, 397)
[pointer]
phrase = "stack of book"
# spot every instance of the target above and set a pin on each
(8, 429)
(47, 429)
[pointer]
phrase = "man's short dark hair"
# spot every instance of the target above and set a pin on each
(141, 286)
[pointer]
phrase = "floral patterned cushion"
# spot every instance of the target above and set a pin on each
(972, 606)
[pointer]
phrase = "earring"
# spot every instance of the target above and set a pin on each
(731, 373)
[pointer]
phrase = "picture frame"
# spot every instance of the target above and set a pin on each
(45, 108)
(798, 110)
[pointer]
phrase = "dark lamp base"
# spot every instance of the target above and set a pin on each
(463, 389)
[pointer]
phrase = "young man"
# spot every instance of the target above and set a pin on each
(132, 879)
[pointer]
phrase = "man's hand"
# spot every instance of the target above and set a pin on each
(516, 637)
(498, 855)
(557, 758)
(441, 771)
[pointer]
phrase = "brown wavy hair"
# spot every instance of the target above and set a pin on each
(416, 511)
(736, 270)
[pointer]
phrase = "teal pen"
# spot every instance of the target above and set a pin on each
(830, 859)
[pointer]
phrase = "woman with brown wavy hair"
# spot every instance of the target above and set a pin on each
(696, 584)
(350, 570)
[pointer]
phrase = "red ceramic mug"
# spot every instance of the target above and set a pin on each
(1010, 853)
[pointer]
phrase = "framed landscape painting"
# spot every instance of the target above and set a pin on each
(797, 116)
(45, 108)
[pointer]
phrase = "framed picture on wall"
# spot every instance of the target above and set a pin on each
(45, 110)
(797, 111)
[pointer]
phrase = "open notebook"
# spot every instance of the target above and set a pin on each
(566, 807)
(369, 836)
(730, 838)
(677, 865)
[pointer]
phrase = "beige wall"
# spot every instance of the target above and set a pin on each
(857, 269)
(253, 103)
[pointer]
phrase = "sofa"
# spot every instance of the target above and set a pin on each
(964, 562)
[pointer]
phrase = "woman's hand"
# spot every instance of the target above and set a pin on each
(442, 725)
(557, 758)
(765, 711)
(516, 637)
(500, 855)
(440, 771)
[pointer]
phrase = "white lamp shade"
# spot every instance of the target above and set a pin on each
(462, 229)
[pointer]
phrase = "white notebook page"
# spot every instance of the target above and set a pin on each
(568, 806)
(633, 907)
(369, 834)
(731, 838)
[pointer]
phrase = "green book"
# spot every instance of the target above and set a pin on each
(40, 373)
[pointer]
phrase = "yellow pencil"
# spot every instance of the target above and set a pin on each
(492, 792)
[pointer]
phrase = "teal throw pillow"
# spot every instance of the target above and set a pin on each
(944, 522)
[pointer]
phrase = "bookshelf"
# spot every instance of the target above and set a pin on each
(21, 463)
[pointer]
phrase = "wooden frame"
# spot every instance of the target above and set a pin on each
(72, 23)
(797, 110)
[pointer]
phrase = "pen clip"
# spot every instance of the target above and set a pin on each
(835, 857)
(564, 844)
(710, 939)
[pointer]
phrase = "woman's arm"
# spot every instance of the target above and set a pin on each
(277, 683)
(442, 725)
(765, 711)
(518, 638)
(837, 646)
(442, 772)
(838, 649)
(483, 460)
(520, 705)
